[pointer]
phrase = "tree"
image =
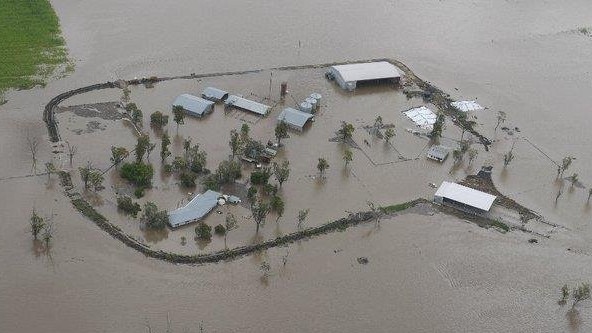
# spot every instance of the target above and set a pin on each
(508, 157)
(457, 156)
(33, 144)
(566, 163)
(178, 115)
(50, 169)
(244, 133)
(564, 294)
(573, 179)
(135, 113)
(389, 134)
(501, 118)
(187, 147)
(95, 178)
(281, 131)
(85, 174)
(261, 176)
(322, 165)
(472, 155)
(259, 210)
(235, 143)
(126, 204)
(589, 194)
(302, 215)
(164, 146)
(230, 223)
(138, 173)
(281, 172)
(438, 127)
(252, 194)
(47, 234)
(348, 156)
(376, 212)
(118, 154)
(72, 150)
(276, 205)
(158, 120)
(153, 218)
(149, 150)
(125, 96)
(37, 224)
(142, 146)
(203, 231)
(346, 131)
(580, 293)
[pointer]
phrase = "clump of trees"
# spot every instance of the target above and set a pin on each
(153, 218)
(226, 173)
(389, 134)
(126, 204)
(164, 146)
(261, 176)
(138, 173)
(191, 164)
(578, 294)
(134, 113)
(118, 154)
(91, 177)
(322, 165)
(203, 231)
(281, 131)
(281, 171)
(346, 131)
(41, 228)
(158, 120)
(220, 230)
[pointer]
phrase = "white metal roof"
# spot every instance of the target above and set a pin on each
(214, 94)
(438, 152)
(466, 195)
(422, 116)
(193, 104)
(294, 117)
(466, 106)
(246, 104)
(367, 71)
(195, 210)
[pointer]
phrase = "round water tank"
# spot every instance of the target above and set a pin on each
(316, 96)
(306, 107)
(312, 102)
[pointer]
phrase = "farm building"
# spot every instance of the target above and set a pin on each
(246, 105)
(464, 198)
(194, 105)
(195, 210)
(214, 94)
(295, 119)
(437, 153)
(351, 75)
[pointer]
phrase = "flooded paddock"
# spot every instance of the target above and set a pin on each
(424, 273)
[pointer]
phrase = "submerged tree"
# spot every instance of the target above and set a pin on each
(153, 218)
(244, 133)
(438, 127)
(589, 194)
(33, 144)
(377, 125)
(566, 163)
(322, 165)
(72, 150)
(573, 179)
(178, 115)
(230, 223)
(281, 131)
(302, 215)
(501, 118)
(142, 146)
(259, 210)
(508, 157)
(235, 143)
(164, 146)
(85, 174)
(135, 113)
(348, 156)
(37, 224)
(389, 134)
(346, 131)
(472, 155)
(158, 120)
(281, 172)
(580, 293)
(276, 204)
(118, 154)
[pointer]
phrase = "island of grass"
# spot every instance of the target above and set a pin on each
(32, 47)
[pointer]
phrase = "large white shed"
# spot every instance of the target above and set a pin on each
(464, 198)
(348, 76)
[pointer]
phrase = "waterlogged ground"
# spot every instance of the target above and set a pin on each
(425, 273)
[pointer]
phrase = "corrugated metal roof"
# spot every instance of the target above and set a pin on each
(214, 94)
(367, 71)
(438, 152)
(195, 210)
(193, 104)
(465, 195)
(246, 104)
(294, 117)
(422, 116)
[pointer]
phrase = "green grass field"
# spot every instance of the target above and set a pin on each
(31, 47)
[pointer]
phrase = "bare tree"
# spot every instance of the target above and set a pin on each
(72, 150)
(33, 144)
(37, 224)
(302, 215)
(501, 118)
(230, 224)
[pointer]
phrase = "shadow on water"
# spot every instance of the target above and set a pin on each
(574, 319)
(155, 236)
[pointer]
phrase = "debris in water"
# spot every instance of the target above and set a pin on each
(533, 240)
(362, 260)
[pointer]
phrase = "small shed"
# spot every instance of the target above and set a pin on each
(193, 105)
(246, 105)
(200, 206)
(351, 75)
(295, 119)
(214, 94)
(464, 198)
(438, 153)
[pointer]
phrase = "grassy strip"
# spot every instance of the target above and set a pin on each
(399, 207)
(32, 47)
(500, 225)
(87, 210)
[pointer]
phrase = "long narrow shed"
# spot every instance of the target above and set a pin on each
(464, 198)
(194, 105)
(295, 119)
(348, 76)
(195, 210)
(214, 94)
(247, 105)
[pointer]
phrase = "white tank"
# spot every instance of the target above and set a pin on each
(316, 96)
(306, 107)
(312, 102)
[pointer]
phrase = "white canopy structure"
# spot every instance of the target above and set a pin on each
(347, 76)
(422, 116)
(460, 196)
(294, 118)
(466, 106)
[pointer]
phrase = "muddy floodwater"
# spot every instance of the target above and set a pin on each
(425, 271)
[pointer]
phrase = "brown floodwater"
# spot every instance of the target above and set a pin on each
(425, 273)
